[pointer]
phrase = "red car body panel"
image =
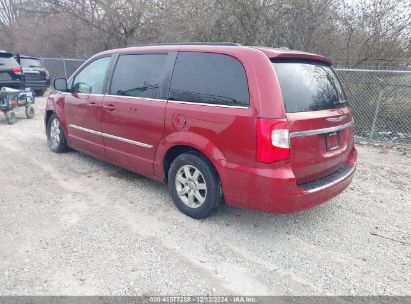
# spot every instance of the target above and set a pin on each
(225, 135)
(84, 110)
(139, 120)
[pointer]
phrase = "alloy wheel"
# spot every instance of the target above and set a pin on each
(54, 133)
(191, 186)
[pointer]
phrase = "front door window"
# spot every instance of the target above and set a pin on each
(91, 79)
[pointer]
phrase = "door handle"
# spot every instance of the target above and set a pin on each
(93, 105)
(109, 107)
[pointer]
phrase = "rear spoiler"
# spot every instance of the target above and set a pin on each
(286, 53)
(303, 56)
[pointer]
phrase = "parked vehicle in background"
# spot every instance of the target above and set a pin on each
(13, 98)
(36, 76)
(11, 74)
(265, 129)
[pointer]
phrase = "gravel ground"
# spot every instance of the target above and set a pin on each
(73, 225)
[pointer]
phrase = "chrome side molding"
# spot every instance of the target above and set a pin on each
(207, 104)
(129, 141)
(321, 131)
(336, 119)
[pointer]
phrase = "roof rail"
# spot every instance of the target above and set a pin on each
(189, 43)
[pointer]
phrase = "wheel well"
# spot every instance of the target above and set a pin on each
(178, 150)
(48, 114)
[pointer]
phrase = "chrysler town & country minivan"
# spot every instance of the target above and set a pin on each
(254, 127)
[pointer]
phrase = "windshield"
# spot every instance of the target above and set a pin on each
(308, 86)
(30, 63)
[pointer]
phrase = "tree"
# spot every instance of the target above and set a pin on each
(375, 32)
(372, 32)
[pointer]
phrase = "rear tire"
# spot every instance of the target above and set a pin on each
(194, 185)
(30, 112)
(56, 139)
(11, 117)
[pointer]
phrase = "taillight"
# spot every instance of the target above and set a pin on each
(47, 74)
(273, 140)
(17, 71)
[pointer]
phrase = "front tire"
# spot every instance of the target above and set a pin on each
(194, 185)
(56, 139)
(30, 112)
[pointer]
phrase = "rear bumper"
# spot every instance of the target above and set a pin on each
(42, 84)
(275, 190)
(330, 180)
(14, 84)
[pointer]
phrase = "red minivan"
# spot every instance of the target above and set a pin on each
(254, 127)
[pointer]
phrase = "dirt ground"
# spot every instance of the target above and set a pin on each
(72, 225)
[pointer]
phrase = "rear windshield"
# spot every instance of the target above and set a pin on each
(30, 63)
(8, 61)
(308, 86)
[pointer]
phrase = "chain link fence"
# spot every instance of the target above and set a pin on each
(380, 99)
(61, 67)
(381, 103)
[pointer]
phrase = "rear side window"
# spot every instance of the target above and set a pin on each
(308, 86)
(209, 78)
(8, 61)
(31, 63)
(138, 75)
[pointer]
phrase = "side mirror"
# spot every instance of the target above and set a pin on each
(60, 84)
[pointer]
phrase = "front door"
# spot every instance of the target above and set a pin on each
(83, 107)
(133, 111)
